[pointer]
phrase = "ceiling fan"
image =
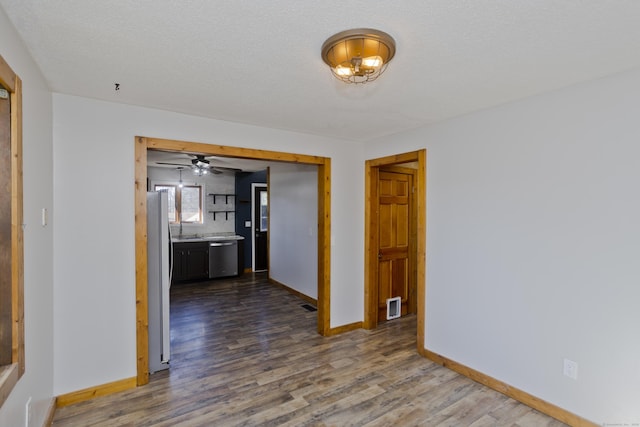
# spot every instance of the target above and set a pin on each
(201, 166)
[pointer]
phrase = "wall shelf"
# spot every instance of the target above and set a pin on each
(227, 211)
(226, 197)
(226, 214)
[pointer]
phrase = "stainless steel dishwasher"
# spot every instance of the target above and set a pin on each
(223, 259)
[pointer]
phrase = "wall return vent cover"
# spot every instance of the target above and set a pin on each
(393, 308)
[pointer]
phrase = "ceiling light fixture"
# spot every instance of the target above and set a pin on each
(200, 165)
(200, 162)
(199, 170)
(359, 55)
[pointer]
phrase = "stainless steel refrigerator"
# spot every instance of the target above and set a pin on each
(159, 279)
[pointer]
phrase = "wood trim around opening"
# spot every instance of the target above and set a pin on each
(324, 247)
(370, 273)
(142, 307)
(142, 144)
(12, 373)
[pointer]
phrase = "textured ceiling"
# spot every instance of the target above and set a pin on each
(258, 62)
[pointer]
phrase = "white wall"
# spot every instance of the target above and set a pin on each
(37, 383)
(224, 183)
(94, 247)
(533, 239)
(293, 234)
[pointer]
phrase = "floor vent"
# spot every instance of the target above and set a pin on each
(309, 307)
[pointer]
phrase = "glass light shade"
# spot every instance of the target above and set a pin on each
(199, 170)
(343, 71)
(372, 62)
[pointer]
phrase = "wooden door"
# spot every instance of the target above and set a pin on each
(394, 240)
(260, 227)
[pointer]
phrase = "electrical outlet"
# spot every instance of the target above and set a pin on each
(570, 369)
(27, 413)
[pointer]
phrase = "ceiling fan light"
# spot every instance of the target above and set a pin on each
(200, 161)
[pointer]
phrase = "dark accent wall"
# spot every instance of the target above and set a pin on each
(243, 208)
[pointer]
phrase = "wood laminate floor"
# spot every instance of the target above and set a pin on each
(246, 353)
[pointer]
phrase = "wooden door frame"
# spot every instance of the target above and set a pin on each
(142, 144)
(11, 373)
(372, 168)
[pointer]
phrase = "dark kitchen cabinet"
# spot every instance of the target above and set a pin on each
(190, 261)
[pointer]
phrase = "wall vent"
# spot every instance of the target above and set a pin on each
(393, 308)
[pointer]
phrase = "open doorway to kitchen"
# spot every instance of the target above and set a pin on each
(395, 233)
(142, 145)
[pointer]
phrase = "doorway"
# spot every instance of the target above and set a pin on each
(395, 217)
(394, 173)
(142, 144)
(260, 227)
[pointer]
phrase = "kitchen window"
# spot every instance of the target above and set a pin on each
(185, 203)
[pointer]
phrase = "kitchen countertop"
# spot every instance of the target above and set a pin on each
(205, 238)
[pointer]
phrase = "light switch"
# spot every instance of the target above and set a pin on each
(44, 217)
(247, 224)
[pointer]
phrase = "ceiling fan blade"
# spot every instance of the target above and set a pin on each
(209, 167)
(173, 164)
(226, 168)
